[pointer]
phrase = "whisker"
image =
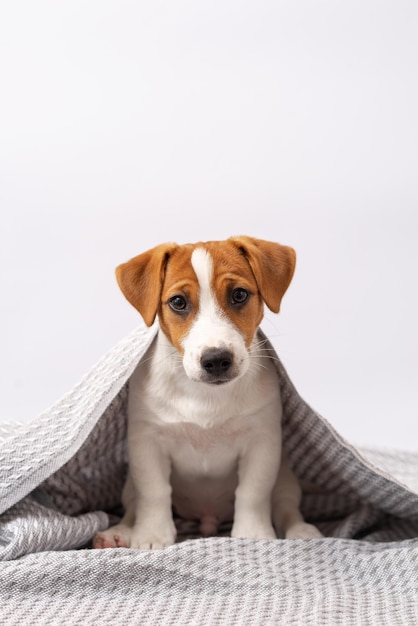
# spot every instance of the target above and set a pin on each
(262, 350)
(260, 342)
(270, 356)
(161, 360)
(259, 366)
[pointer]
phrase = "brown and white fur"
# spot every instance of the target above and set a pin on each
(204, 411)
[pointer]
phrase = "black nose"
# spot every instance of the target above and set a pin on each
(216, 362)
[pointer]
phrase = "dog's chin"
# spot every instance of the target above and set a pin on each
(212, 381)
(218, 382)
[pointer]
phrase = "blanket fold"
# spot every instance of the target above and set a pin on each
(61, 477)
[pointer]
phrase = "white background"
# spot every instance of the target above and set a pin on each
(127, 124)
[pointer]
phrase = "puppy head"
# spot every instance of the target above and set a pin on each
(209, 298)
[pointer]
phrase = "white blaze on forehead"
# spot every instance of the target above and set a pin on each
(202, 264)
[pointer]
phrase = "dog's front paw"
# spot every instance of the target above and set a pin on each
(118, 536)
(148, 537)
(254, 530)
(302, 530)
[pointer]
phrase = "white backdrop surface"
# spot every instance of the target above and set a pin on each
(126, 124)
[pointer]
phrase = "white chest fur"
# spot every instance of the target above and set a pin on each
(203, 430)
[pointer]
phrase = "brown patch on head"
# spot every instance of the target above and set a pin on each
(150, 280)
(262, 268)
(179, 281)
(231, 272)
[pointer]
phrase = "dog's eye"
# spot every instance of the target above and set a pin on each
(239, 295)
(178, 303)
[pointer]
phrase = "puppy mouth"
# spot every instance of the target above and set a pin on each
(221, 381)
(212, 381)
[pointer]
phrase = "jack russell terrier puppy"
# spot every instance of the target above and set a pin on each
(204, 409)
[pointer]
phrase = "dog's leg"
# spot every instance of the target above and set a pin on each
(286, 498)
(150, 468)
(148, 522)
(119, 536)
(257, 473)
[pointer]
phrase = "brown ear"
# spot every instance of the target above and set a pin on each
(141, 280)
(273, 266)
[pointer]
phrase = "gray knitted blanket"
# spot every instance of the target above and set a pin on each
(60, 481)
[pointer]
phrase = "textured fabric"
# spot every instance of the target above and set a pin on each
(60, 482)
